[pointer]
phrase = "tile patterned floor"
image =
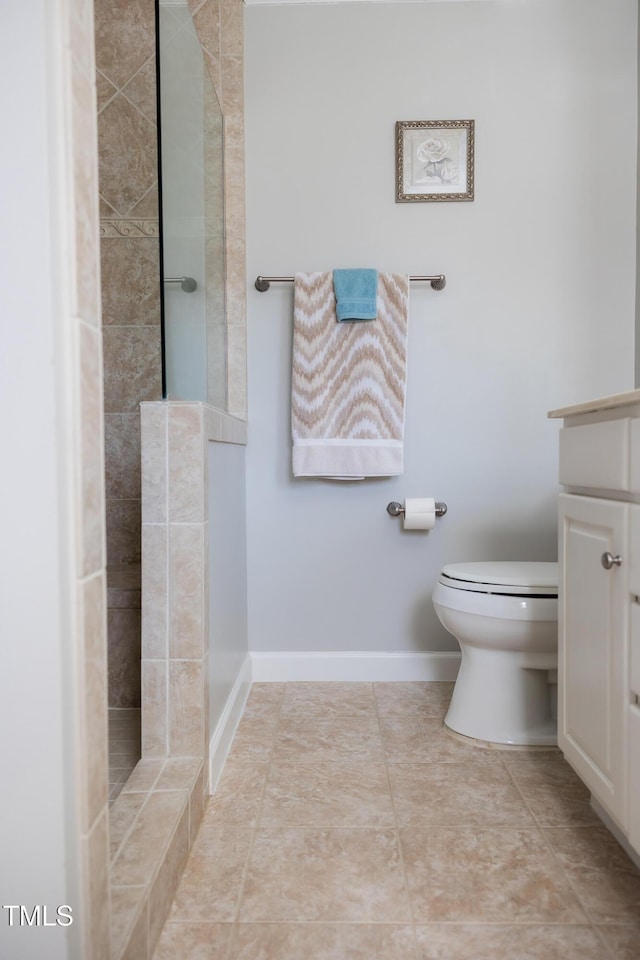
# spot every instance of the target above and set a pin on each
(348, 825)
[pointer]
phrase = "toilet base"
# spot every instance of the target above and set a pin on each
(504, 698)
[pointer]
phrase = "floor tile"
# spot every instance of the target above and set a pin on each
(325, 875)
(239, 793)
(327, 700)
(211, 884)
(495, 875)
(456, 793)
(254, 739)
(264, 700)
(357, 740)
(413, 699)
(348, 824)
(414, 740)
(193, 941)
(322, 941)
(518, 942)
(554, 793)
(338, 794)
(622, 940)
(604, 878)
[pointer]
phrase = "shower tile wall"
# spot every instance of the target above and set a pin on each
(128, 179)
(129, 228)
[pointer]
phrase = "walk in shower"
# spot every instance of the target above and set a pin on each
(163, 294)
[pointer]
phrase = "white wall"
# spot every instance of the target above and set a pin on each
(37, 806)
(539, 305)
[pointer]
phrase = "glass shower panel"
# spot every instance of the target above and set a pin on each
(191, 152)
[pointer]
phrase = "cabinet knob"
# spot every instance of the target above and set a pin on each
(608, 560)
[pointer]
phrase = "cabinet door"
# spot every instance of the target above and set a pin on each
(593, 647)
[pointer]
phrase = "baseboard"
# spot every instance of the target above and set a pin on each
(222, 736)
(368, 666)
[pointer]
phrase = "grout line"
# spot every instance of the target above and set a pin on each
(256, 825)
(403, 866)
(547, 845)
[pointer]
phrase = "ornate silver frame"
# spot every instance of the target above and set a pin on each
(444, 172)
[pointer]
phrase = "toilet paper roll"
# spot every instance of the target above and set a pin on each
(419, 513)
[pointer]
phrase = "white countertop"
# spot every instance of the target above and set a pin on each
(604, 403)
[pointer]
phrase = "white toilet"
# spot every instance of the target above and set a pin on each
(505, 618)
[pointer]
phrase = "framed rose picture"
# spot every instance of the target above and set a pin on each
(434, 160)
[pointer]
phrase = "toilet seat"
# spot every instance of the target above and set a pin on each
(503, 578)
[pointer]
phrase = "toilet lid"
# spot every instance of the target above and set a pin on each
(503, 576)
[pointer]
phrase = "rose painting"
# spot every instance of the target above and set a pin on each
(434, 160)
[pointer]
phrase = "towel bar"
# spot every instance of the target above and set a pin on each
(394, 509)
(262, 284)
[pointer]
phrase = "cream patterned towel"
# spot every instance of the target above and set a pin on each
(348, 382)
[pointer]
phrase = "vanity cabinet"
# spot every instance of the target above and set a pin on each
(599, 603)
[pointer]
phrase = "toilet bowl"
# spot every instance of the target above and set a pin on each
(504, 615)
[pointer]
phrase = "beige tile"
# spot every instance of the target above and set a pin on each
(254, 739)
(96, 896)
(127, 905)
(498, 942)
(327, 794)
(414, 740)
(603, 876)
(186, 591)
(322, 941)
(179, 773)
(132, 367)
(554, 793)
(166, 882)
(141, 90)
(94, 725)
(413, 699)
(186, 467)
(264, 700)
(141, 855)
(238, 794)
(193, 941)
(511, 755)
(325, 875)
(196, 803)
(130, 280)
(145, 775)
(450, 794)
(137, 940)
(490, 874)
(127, 147)
(210, 887)
(337, 739)
(232, 86)
(622, 939)
(85, 292)
(186, 713)
(155, 714)
(328, 700)
(207, 23)
(125, 37)
(122, 815)
(154, 597)
(232, 26)
(91, 503)
(154, 446)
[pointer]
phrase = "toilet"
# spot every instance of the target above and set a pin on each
(504, 615)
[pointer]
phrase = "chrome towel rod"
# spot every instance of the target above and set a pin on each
(263, 283)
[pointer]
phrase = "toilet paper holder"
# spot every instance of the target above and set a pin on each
(395, 509)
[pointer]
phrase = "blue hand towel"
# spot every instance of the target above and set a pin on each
(356, 294)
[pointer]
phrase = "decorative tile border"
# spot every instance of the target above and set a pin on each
(130, 228)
